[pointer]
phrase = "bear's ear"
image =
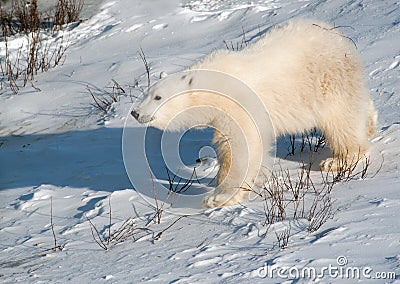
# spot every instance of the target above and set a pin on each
(163, 74)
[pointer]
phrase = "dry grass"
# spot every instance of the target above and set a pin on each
(103, 99)
(67, 11)
(130, 229)
(312, 141)
(238, 46)
(282, 237)
(38, 52)
(305, 195)
(24, 17)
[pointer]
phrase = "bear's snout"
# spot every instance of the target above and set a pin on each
(135, 114)
(142, 118)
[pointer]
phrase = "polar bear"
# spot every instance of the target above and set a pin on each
(305, 73)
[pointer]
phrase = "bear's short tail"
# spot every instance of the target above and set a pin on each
(372, 120)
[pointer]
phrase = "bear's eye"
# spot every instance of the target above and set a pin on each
(157, 98)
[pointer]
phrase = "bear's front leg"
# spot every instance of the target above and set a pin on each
(233, 172)
(240, 150)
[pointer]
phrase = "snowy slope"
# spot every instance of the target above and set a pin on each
(56, 148)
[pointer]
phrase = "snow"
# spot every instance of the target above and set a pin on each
(59, 153)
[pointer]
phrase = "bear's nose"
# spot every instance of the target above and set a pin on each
(135, 114)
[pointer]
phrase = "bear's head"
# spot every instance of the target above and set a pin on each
(171, 104)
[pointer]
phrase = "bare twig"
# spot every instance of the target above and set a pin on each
(103, 107)
(129, 230)
(99, 240)
(318, 217)
(109, 223)
(159, 209)
(146, 65)
(179, 186)
(52, 225)
(336, 27)
(36, 88)
(158, 236)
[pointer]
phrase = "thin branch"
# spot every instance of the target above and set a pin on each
(52, 225)
(146, 65)
(158, 236)
(109, 221)
(93, 229)
(336, 27)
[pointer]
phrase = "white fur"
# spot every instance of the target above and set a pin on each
(306, 74)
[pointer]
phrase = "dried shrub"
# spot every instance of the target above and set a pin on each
(304, 196)
(39, 52)
(104, 99)
(67, 11)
